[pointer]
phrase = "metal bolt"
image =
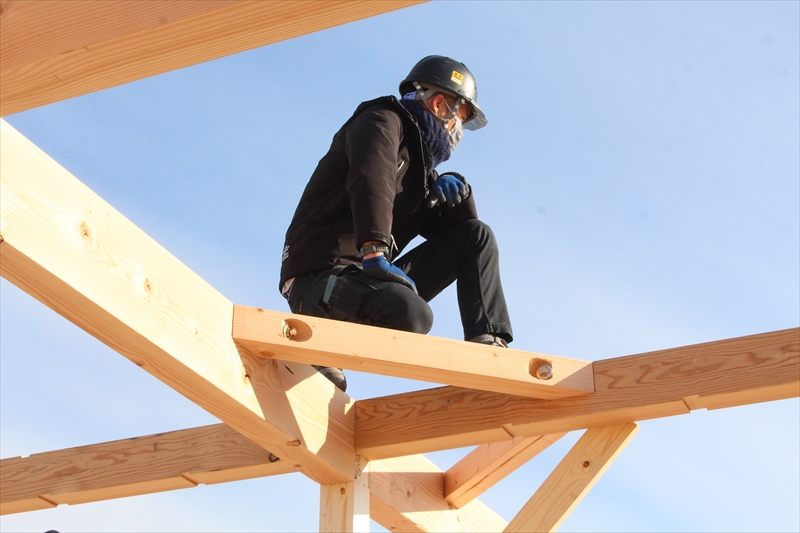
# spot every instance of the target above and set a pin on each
(289, 332)
(544, 372)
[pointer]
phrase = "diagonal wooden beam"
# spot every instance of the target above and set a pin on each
(727, 373)
(572, 479)
(129, 467)
(51, 50)
(65, 246)
(407, 494)
(407, 355)
(486, 465)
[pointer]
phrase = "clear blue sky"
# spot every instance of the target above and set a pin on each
(641, 170)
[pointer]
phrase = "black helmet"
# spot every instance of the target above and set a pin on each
(453, 77)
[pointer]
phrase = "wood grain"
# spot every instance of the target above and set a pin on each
(407, 494)
(572, 479)
(54, 50)
(142, 465)
(68, 248)
(488, 464)
(744, 370)
(406, 355)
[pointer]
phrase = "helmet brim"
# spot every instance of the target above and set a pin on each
(478, 119)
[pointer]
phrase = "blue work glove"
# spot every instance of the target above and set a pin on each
(448, 190)
(379, 268)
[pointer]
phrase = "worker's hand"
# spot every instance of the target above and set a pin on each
(379, 268)
(449, 190)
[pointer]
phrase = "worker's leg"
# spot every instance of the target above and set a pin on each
(352, 297)
(468, 253)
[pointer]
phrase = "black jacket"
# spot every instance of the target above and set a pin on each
(372, 185)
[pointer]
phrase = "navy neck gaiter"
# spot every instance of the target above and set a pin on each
(433, 133)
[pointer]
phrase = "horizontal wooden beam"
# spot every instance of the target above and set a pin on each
(572, 479)
(407, 355)
(51, 50)
(129, 467)
(727, 373)
(486, 465)
(407, 494)
(65, 246)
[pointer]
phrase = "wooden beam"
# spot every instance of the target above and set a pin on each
(727, 373)
(54, 50)
(573, 478)
(407, 355)
(129, 467)
(407, 494)
(66, 247)
(345, 507)
(486, 465)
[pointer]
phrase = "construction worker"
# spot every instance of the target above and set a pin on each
(375, 190)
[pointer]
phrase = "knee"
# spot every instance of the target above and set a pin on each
(408, 312)
(481, 234)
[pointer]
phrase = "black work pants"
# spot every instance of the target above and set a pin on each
(466, 253)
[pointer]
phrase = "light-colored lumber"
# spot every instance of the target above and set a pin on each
(407, 494)
(727, 373)
(54, 50)
(344, 507)
(407, 355)
(65, 246)
(572, 479)
(128, 467)
(486, 465)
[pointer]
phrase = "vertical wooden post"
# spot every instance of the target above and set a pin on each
(572, 479)
(344, 507)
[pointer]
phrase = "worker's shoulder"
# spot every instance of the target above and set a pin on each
(385, 108)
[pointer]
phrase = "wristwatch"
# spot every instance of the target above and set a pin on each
(374, 248)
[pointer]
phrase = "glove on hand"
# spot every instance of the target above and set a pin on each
(449, 190)
(379, 268)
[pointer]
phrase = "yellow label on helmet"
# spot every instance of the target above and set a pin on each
(457, 77)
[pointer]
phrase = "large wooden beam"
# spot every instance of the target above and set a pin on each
(407, 355)
(403, 494)
(486, 465)
(407, 494)
(572, 479)
(65, 246)
(129, 467)
(727, 373)
(51, 50)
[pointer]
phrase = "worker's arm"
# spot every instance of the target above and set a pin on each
(371, 145)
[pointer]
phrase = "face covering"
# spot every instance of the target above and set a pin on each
(455, 133)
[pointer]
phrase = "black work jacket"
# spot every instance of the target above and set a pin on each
(372, 185)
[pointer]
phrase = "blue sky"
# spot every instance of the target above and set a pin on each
(641, 170)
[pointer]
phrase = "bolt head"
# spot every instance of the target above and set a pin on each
(544, 372)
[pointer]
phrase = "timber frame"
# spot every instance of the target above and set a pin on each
(66, 247)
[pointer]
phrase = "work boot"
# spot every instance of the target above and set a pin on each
(334, 375)
(491, 340)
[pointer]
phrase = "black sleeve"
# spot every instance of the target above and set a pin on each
(371, 145)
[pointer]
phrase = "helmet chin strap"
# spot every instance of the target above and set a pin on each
(422, 95)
